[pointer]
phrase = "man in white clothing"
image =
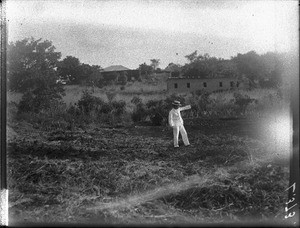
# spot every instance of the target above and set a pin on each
(176, 122)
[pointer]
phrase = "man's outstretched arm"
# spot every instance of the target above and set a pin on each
(185, 107)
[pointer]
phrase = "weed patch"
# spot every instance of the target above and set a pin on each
(255, 193)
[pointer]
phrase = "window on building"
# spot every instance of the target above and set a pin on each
(204, 84)
(175, 85)
(231, 84)
(220, 84)
(188, 85)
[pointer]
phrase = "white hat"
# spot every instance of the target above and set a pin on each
(176, 103)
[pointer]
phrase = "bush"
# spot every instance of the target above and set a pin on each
(42, 97)
(140, 113)
(118, 107)
(222, 109)
(157, 111)
(106, 108)
(200, 102)
(242, 101)
(96, 109)
(87, 103)
(73, 110)
(28, 103)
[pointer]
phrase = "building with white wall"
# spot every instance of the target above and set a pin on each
(185, 85)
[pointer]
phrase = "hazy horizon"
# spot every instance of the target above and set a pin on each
(130, 33)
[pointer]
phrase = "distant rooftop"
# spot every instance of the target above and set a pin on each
(115, 68)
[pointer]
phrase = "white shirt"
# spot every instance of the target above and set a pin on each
(175, 118)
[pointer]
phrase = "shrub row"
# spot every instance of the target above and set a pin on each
(89, 109)
(93, 109)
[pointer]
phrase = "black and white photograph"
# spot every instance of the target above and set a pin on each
(148, 112)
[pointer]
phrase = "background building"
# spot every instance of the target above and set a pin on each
(184, 85)
(115, 71)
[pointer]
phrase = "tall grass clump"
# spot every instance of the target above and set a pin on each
(200, 102)
(93, 109)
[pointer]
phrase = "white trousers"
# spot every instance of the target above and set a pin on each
(180, 128)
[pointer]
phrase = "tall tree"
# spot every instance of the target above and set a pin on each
(274, 67)
(173, 67)
(145, 69)
(32, 70)
(226, 68)
(192, 57)
(70, 69)
(95, 76)
(31, 62)
(198, 66)
(205, 66)
(155, 63)
(91, 75)
(250, 65)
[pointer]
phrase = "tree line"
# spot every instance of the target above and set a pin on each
(35, 68)
(264, 70)
(34, 64)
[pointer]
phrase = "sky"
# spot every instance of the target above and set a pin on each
(131, 32)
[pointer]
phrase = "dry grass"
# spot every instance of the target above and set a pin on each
(134, 175)
(268, 99)
(147, 91)
(73, 93)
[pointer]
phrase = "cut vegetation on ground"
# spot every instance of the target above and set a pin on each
(133, 174)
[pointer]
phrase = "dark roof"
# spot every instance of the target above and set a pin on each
(115, 68)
